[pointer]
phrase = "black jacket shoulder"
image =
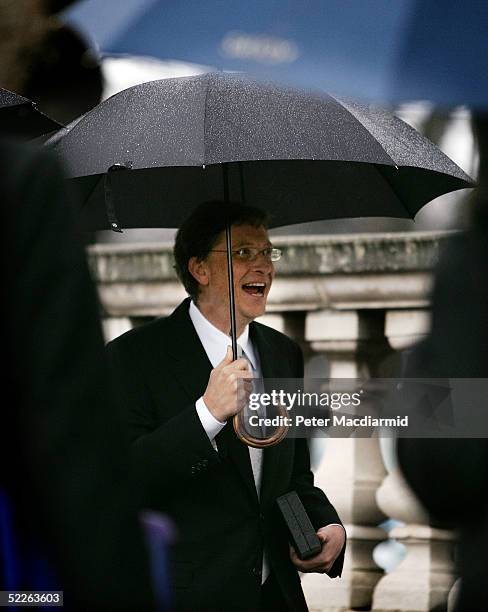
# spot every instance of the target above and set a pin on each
(275, 337)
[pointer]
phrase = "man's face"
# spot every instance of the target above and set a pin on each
(252, 279)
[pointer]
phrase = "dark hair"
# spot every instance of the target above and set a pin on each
(201, 230)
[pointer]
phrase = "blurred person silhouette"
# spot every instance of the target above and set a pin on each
(68, 518)
(48, 61)
(63, 453)
(450, 476)
(66, 78)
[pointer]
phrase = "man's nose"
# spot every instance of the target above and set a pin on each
(262, 262)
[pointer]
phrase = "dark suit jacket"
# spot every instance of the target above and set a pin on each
(161, 370)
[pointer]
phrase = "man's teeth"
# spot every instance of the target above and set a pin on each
(255, 288)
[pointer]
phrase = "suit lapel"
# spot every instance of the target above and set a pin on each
(192, 372)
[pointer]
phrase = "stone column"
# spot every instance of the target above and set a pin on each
(422, 580)
(351, 469)
(291, 323)
(115, 326)
(453, 596)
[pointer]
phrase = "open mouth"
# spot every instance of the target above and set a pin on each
(255, 289)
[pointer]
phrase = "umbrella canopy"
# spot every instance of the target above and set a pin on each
(20, 117)
(381, 50)
(300, 156)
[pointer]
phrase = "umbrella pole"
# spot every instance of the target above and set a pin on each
(230, 271)
(232, 306)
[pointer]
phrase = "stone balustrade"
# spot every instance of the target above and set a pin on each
(346, 272)
(353, 302)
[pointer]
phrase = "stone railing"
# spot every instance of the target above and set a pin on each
(353, 302)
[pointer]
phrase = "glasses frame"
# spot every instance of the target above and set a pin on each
(275, 253)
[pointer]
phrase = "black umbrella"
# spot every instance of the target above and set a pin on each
(300, 156)
(325, 157)
(20, 117)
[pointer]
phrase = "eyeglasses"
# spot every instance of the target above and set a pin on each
(251, 253)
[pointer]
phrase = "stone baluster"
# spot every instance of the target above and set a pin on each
(422, 580)
(453, 596)
(115, 326)
(351, 469)
(291, 323)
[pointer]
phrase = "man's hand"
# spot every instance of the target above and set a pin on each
(229, 387)
(332, 538)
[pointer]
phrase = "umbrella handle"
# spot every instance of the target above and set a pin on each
(240, 429)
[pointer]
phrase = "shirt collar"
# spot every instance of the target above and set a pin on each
(215, 342)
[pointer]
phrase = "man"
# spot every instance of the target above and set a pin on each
(178, 384)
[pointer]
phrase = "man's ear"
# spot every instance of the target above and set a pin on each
(198, 269)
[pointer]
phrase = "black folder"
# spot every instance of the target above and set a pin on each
(302, 533)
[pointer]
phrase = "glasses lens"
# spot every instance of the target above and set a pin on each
(244, 254)
(275, 254)
(250, 254)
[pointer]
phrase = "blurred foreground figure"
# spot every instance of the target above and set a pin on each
(67, 517)
(65, 78)
(63, 457)
(47, 61)
(450, 477)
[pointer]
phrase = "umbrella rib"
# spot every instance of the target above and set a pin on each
(351, 114)
(378, 168)
(92, 190)
(205, 121)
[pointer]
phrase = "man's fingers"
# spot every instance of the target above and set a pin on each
(244, 384)
(293, 555)
(319, 563)
(227, 359)
(239, 378)
(305, 565)
(323, 537)
(239, 373)
(245, 375)
(241, 364)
